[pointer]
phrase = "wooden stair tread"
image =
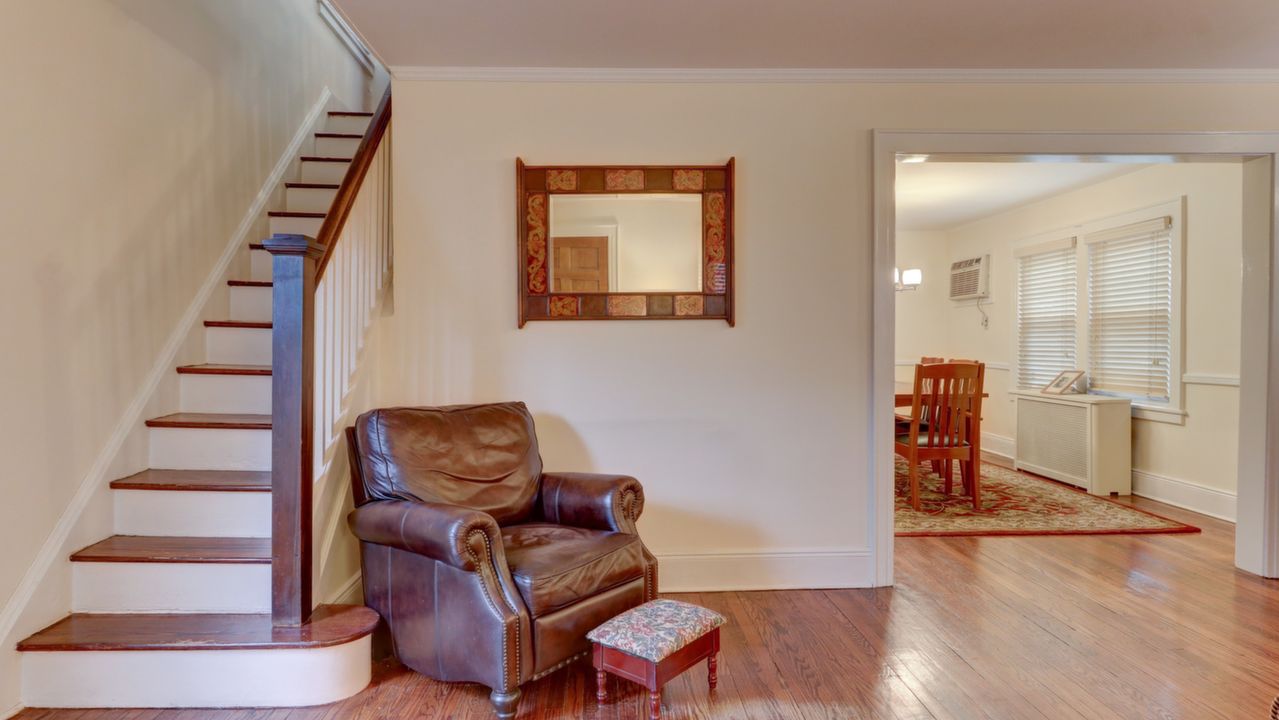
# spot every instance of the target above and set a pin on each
(342, 136)
(318, 158)
(250, 283)
(329, 625)
(196, 480)
(215, 421)
(151, 549)
(296, 214)
(220, 369)
(237, 324)
(311, 186)
(349, 113)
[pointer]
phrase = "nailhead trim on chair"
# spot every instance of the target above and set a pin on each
(488, 549)
(550, 670)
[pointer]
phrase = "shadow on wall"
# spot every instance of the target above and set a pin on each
(557, 440)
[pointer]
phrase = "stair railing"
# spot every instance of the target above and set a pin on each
(325, 290)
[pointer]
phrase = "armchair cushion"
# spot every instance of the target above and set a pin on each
(592, 500)
(446, 533)
(557, 565)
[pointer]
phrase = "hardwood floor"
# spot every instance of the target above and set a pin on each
(1135, 626)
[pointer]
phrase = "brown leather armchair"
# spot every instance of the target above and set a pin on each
(485, 568)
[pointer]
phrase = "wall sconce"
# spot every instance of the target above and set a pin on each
(908, 279)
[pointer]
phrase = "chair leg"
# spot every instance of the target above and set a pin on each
(913, 473)
(505, 703)
(937, 466)
(948, 479)
(974, 475)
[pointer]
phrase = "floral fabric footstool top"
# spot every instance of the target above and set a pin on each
(655, 642)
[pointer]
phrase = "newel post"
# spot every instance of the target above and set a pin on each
(293, 263)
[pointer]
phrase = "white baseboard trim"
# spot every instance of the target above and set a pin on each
(795, 570)
(342, 596)
(1185, 494)
(132, 418)
(12, 711)
(1004, 447)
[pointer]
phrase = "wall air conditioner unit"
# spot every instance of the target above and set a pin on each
(970, 278)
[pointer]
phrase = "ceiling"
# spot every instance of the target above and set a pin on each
(853, 34)
(941, 195)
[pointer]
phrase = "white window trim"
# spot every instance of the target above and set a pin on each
(1173, 412)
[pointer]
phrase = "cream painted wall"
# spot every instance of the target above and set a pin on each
(1203, 451)
(137, 135)
(921, 313)
(751, 441)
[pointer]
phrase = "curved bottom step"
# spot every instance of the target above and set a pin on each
(198, 660)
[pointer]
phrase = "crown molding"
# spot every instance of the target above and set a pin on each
(832, 75)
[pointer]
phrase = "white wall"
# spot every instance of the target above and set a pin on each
(137, 135)
(659, 237)
(1203, 451)
(922, 312)
(751, 441)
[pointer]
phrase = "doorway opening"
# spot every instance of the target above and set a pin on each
(1102, 295)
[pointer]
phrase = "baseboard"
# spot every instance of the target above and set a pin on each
(131, 419)
(1004, 447)
(12, 711)
(1185, 494)
(350, 593)
(798, 570)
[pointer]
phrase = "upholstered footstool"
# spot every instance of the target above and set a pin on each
(653, 643)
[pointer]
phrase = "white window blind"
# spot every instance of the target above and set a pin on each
(1047, 282)
(1130, 310)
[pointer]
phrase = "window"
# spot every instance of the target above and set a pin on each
(1130, 313)
(1047, 282)
(1111, 308)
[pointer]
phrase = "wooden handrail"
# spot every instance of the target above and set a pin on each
(335, 220)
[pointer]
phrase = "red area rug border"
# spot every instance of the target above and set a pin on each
(1182, 528)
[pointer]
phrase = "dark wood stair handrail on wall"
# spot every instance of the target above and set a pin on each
(298, 263)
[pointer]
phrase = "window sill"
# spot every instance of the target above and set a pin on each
(1159, 413)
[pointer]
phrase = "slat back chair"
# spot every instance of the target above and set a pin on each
(946, 394)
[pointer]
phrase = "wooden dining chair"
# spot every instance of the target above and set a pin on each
(947, 394)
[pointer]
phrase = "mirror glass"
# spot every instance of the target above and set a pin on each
(648, 242)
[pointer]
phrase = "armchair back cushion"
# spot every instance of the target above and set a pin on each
(482, 457)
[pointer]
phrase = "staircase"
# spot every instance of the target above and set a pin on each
(174, 610)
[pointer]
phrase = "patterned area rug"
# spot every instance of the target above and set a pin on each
(1015, 503)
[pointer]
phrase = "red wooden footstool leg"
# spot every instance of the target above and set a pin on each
(712, 674)
(601, 686)
(655, 705)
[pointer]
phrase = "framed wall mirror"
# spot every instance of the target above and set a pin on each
(625, 242)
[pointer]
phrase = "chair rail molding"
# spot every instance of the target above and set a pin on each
(131, 419)
(1210, 379)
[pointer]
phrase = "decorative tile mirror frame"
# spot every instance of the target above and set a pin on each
(535, 184)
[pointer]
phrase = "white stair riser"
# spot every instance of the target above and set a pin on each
(225, 393)
(196, 678)
(192, 513)
(323, 172)
(252, 304)
(336, 147)
(296, 226)
(238, 346)
(260, 265)
(203, 449)
(140, 587)
(308, 199)
(346, 124)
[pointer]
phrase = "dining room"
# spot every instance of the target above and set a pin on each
(1067, 339)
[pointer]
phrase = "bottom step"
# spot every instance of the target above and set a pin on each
(198, 660)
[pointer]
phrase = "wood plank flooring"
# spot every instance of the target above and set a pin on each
(1115, 627)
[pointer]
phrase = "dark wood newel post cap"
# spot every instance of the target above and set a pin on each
(281, 244)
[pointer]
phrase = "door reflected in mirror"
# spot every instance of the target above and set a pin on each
(633, 243)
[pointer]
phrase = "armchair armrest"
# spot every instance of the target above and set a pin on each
(452, 535)
(593, 501)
